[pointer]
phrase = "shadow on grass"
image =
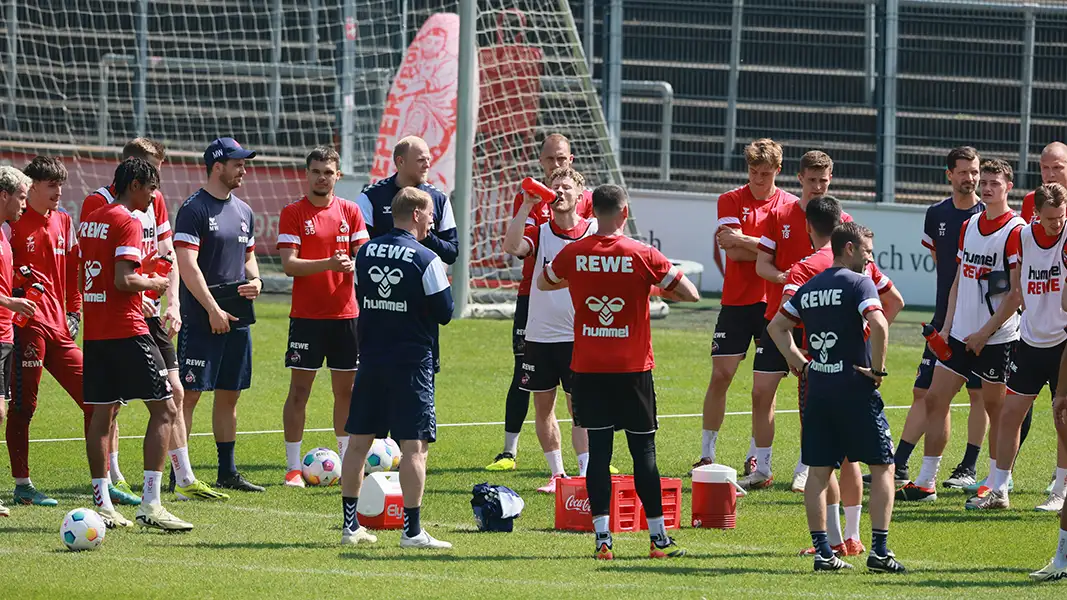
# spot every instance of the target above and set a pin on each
(676, 569)
(452, 558)
(260, 545)
(27, 530)
(954, 515)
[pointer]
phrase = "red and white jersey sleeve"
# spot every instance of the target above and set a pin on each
(111, 235)
(882, 282)
(159, 206)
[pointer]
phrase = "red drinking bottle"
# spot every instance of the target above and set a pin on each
(35, 293)
(536, 188)
(22, 276)
(937, 344)
(163, 266)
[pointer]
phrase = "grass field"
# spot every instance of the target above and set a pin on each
(284, 543)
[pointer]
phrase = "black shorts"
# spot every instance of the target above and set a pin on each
(925, 373)
(1031, 368)
(6, 352)
(768, 359)
(394, 401)
(124, 369)
(546, 365)
(162, 340)
(313, 340)
(619, 401)
(518, 325)
(847, 421)
(991, 365)
(736, 327)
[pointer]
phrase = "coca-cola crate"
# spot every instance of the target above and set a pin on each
(572, 505)
(672, 504)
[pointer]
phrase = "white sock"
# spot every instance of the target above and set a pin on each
(511, 443)
(150, 494)
(23, 481)
(342, 446)
(928, 472)
(116, 473)
(800, 468)
(657, 530)
(600, 525)
(852, 522)
(1002, 479)
(1060, 482)
(107, 477)
(100, 494)
(583, 463)
(183, 469)
(763, 460)
(751, 447)
(992, 466)
(293, 458)
(833, 524)
(1060, 560)
(555, 462)
(707, 445)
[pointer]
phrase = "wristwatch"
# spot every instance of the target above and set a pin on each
(880, 373)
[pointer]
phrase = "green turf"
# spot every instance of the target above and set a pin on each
(284, 543)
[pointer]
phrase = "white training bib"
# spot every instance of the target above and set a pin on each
(551, 316)
(149, 233)
(982, 254)
(1042, 279)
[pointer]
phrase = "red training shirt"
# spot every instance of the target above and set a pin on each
(540, 214)
(610, 279)
(48, 245)
(1029, 213)
(108, 236)
(7, 331)
(155, 223)
(739, 209)
(315, 233)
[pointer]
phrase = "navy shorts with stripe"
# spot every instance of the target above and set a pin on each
(208, 361)
(846, 422)
(394, 401)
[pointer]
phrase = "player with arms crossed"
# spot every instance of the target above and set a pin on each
(843, 414)
(14, 186)
(981, 325)
(1036, 358)
(317, 237)
(1053, 164)
(941, 235)
(123, 362)
(555, 154)
(744, 301)
(609, 279)
(404, 296)
(214, 239)
(157, 242)
(44, 241)
(546, 362)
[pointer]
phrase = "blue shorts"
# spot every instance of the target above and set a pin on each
(394, 401)
(846, 423)
(208, 361)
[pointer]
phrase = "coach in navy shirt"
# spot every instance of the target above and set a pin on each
(214, 238)
(843, 416)
(403, 295)
(412, 158)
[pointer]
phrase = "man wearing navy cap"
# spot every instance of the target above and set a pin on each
(214, 240)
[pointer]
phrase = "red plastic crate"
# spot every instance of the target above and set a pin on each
(672, 504)
(572, 505)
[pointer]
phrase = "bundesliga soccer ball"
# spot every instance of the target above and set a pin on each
(384, 456)
(82, 529)
(321, 466)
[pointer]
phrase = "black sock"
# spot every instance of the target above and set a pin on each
(517, 405)
(412, 527)
(227, 466)
(646, 474)
(821, 544)
(598, 474)
(1025, 430)
(351, 517)
(879, 539)
(970, 457)
(903, 453)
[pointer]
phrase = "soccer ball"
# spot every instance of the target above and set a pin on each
(384, 456)
(82, 529)
(321, 466)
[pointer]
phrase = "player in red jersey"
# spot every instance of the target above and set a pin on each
(123, 362)
(555, 154)
(1053, 170)
(44, 240)
(744, 300)
(14, 186)
(610, 278)
(157, 241)
(318, 236)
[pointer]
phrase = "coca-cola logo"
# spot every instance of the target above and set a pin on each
(577, 504)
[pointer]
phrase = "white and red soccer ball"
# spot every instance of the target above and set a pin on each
(321, 467)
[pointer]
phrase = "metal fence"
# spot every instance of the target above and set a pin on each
(886, 87)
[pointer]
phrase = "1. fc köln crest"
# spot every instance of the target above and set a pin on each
(309, 227)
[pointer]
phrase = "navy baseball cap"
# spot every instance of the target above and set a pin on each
(225, 148)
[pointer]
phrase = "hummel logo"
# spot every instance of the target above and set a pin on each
(822, 342)
(385, 278)
(605, 308)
